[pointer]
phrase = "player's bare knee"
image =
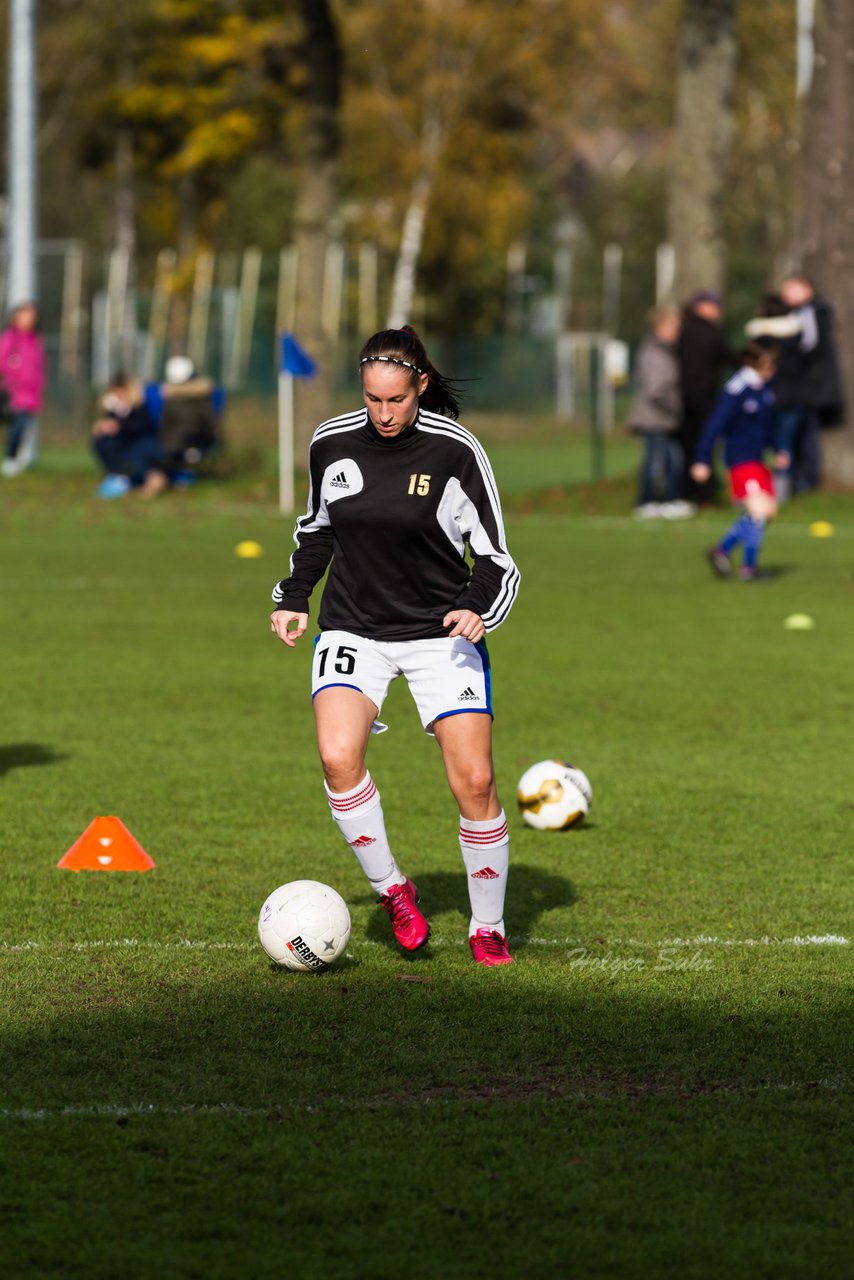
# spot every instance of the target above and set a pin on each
(476, 783)
(343, 765)
(761, 506)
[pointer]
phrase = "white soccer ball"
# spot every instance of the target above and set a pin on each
(304, 925)
(554, 795)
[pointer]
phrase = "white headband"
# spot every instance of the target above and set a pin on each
(390, 360)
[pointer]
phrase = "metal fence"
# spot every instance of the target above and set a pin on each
(225, 311)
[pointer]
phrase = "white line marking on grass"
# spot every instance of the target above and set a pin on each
(807, 940)
(117, 1111)
(154, 1111)
(125, 944)
(204, 944)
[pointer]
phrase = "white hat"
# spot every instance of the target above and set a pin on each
(179, 369)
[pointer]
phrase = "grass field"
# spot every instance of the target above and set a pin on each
(659, 1087)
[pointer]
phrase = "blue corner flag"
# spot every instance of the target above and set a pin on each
(293, 359)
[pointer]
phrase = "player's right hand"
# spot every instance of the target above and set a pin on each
(280, 623)
(700, 472)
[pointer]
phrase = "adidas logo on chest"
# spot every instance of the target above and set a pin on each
(341, 479)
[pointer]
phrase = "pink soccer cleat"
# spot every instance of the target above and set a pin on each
(489, 948)
(409, 926)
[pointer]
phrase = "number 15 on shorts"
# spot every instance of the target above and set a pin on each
(341, 659)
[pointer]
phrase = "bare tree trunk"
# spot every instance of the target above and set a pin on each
(412, 236)
(828, 226)
(124, 239)
(124, 202)
(316, 205)
(124, 198)
(179, 312)
(704, 125)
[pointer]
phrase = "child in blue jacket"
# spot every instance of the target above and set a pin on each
(744, 416)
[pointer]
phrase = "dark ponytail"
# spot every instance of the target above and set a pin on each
(405, 348)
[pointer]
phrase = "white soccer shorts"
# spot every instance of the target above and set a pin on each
(445, 676)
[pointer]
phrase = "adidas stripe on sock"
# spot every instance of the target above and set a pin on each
(358, 815)
(485, 847)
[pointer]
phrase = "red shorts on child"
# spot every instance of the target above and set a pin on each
(749, 478)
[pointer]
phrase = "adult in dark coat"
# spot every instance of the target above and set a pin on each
(808, 386)
(704, 356)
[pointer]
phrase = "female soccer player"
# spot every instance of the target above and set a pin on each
(398, 491)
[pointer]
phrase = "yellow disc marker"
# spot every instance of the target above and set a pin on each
(799, 622)
(249, 550)
(821, 529)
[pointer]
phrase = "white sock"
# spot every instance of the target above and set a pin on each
(485, 847)
(359, 817)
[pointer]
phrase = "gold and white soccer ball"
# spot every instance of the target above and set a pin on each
(304, 925)
(554, 795)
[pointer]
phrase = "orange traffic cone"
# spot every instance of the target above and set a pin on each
(106, 845)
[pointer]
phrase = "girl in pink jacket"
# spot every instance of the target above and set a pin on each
(22, 372)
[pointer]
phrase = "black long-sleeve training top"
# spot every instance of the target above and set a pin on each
(394, 517)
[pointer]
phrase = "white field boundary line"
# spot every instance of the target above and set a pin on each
(154, 1111)
(191, 944)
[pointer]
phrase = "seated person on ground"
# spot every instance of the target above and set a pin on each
(188, 411)
(124, 440)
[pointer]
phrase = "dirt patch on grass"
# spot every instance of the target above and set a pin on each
(597, 1087)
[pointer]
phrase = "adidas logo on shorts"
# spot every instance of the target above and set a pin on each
(362, 842)
(486, 873)
(468, 695)
(339, 481)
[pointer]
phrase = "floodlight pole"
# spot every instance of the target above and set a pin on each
(22, 158)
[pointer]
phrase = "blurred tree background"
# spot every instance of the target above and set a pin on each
(480, 127)
(473, 165)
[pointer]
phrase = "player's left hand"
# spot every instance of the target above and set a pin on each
(782, 460)
(466, 624)
(700, 472)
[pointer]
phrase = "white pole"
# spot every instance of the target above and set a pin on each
(333, 290)
(612, 269)
(200, 310)
(563, 286)
(665, 273)
(72, 310)
(22, 161)
(286, 442)
(368, 291)
(286, 294)
(115, 317)
(241, 349)
(565, 381)
(805, 47)
(158, 318)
